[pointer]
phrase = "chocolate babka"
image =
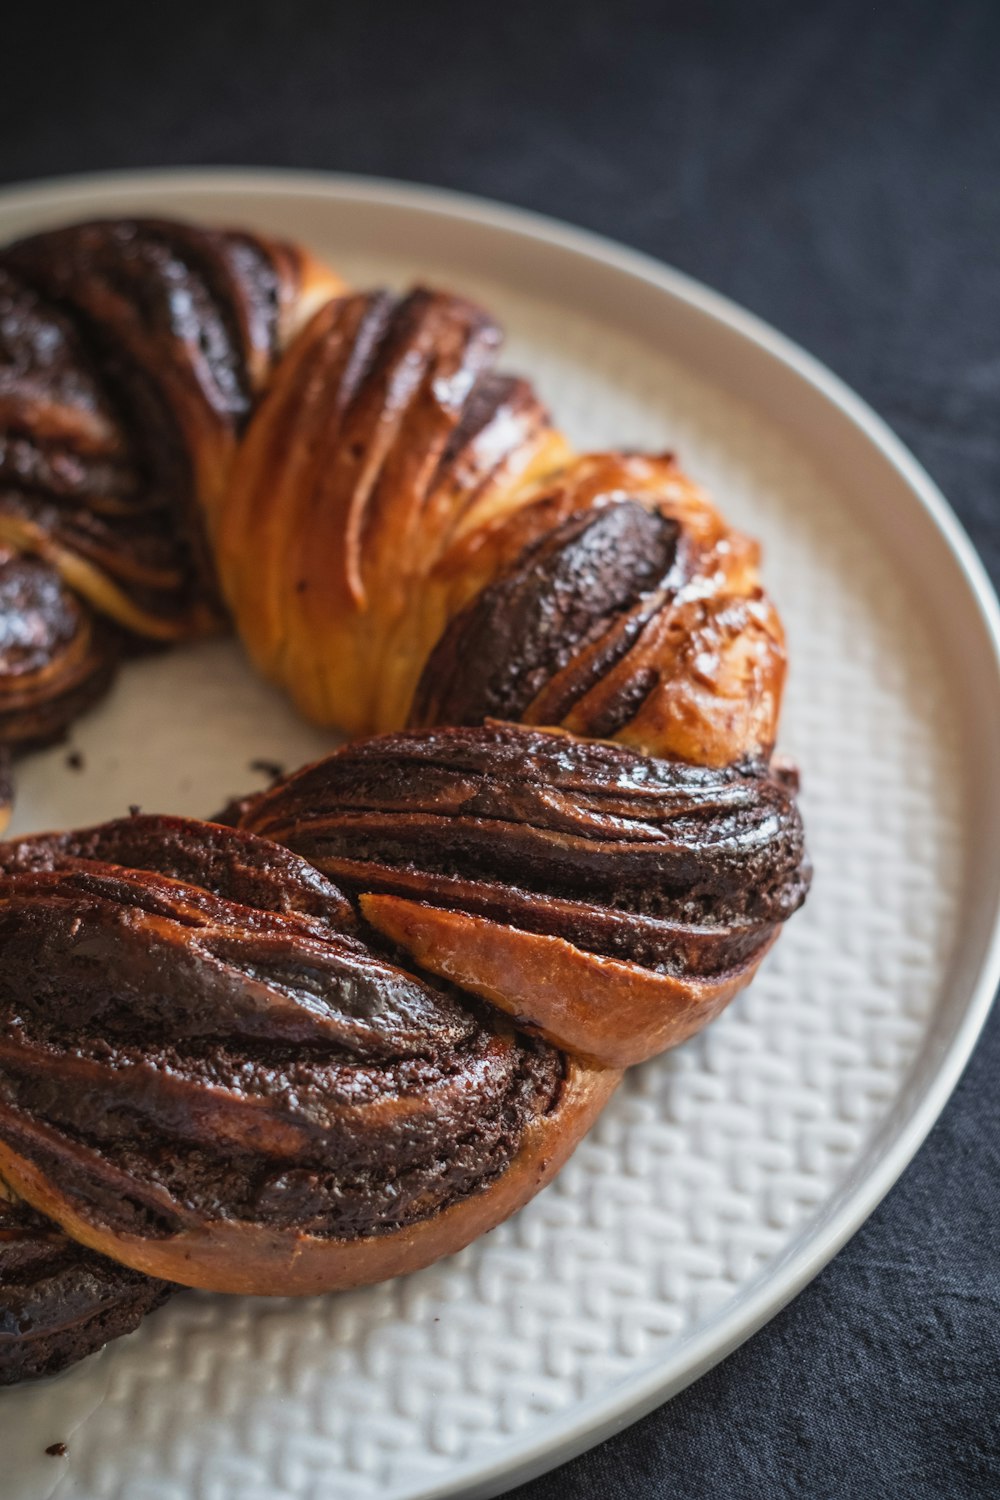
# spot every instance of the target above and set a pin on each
(365, 1015)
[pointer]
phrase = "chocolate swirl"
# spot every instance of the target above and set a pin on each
(184, 322)
(385, 434)
(560, 879)
(90, 480)
(577, 586)
(131, 353)
(192, 1035)
(616, 603)
(58, 1301)
(56, 656)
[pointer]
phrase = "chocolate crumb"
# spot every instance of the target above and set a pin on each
(134, 809)
(56, 1450)
(272, 769)
(75, 760)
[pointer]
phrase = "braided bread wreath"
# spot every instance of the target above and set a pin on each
(359, 1019)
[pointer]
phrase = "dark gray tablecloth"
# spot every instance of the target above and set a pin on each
(835, 167)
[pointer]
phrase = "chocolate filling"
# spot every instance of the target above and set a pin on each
(563, 593)
(246, 871)
(58, 1301)
(55, 657)
(158, 283)
(58, 432)
(125, 348)
(206, 1040)
(679, 867)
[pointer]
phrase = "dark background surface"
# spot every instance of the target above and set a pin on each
(834, 167)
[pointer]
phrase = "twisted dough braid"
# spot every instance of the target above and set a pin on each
(426, 550)
(345, 1035)
(131, 355)
(214, 1070)
(400, 532)
(209, 1075)
(607, 901)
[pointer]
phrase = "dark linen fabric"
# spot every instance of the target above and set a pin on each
(836, 168)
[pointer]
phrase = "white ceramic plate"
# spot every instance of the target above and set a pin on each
(723, 1176)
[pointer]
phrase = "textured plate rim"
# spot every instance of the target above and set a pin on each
(566, 1434)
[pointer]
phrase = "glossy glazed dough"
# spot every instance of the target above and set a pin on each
(427, 549)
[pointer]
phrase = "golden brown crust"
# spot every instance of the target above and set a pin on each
(612, 902)
(393, 485)
(236, 1257)
(690, 663)
(389, 484)
(383, 432)
(615, 1012)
